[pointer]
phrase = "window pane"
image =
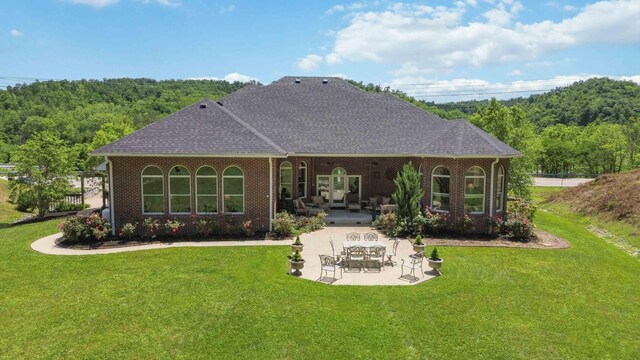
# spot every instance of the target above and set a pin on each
(233, 203)
(473, 204)
(207, 186)
(152, 170)
(206, 170)
(180, 204)
(233, 171)
(207, 203)
(152, 185)
(338, 171)
(474, 186)
(441, 185)
(441, 170)
(286, 176)
(285, 190)
(153, 204)
(475, 171)
(179, 170)
(179, 186)
(233, 186)
(440, 202)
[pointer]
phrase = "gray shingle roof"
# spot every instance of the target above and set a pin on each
(309, 117)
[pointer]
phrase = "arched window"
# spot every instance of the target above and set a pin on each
(302, 179)
(474, 190)
(152, 190)
(286, 180)
(179, 190)
(233, 190)
(500, 189)
(440, 182)
(339, 171)
(206, 190)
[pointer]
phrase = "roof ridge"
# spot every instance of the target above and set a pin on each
(253, 130)
(448, 124)
(485, 136)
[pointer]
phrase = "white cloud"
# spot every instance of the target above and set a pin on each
(515, 72)
(95, 3)
(434, 38)
(477, 89)
(227, 9)
(340, 7)
(231, 77)
(569, 8)
(309, 62)
(16, 33)
(334, 9)
(170, 3)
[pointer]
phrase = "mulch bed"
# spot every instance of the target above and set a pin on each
(542, 240)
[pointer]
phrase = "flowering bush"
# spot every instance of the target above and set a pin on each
(284, 224)
(517, 227)
(85, 228)
(386, 222)
(522, 206)
(128, 230)
(435, 222)
(150, 228)
(468, 225)
(204, 227)
(173, 226)
(247, 228)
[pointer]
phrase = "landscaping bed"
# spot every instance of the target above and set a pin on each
(540, 240)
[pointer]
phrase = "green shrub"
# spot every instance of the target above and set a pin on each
(247, 228)
(173, 226)
(150, 228)
(524, 207)
(435, 222)
(296, 257)
(434, 254)
(297, 242)
(517, 227)
(128, 230)
(204, 227)
(284, 224)
(418, 240)
(85, 228)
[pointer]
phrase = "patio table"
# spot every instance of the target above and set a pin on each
(366, 244)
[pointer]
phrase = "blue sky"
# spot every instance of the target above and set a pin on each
(435, 50)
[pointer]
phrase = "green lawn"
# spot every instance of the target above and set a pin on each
(8, 212)
(582, 302)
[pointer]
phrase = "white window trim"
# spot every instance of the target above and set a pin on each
(179, 195)
(441, 194)
(475, 196)
(223, 210)
(303, 165)
(290, 166)
(142, 194)
(216, 194)
(500, 190)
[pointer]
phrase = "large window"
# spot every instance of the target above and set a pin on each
(206, 190)
(233, 190)
(474, 190)
(500, 189)
(286, 180)
(302, 180)
(179, 190)
(440, 182)
(152, 190)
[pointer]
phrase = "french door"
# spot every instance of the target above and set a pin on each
(334, 188)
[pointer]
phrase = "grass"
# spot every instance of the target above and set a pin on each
(8, 212)
(581, 302)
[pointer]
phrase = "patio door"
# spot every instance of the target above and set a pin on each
(339, 188)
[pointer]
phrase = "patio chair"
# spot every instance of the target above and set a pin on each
(353, 203)
(371, 236)
(333, 250)
(328, 263)
(353, 236)
(318, 201)
(396, 242)
(356, 255)
(376, 256)
(413, 263)
(300, 207)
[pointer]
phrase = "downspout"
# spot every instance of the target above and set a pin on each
(270, 194)
(491, 191)
(112, 211)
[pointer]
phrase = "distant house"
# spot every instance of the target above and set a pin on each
(297, 138)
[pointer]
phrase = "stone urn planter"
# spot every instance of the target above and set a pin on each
(418, 245)
(297, 245)
(435, 261)
(296, 266)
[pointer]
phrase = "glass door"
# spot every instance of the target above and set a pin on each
(339, 188)
(322, 187)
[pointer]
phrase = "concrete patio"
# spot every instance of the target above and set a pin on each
(317, 243)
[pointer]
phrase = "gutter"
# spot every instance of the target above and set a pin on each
(270, 194)
(112, 211)
(491, 191)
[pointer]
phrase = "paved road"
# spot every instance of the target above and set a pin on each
(559, 182)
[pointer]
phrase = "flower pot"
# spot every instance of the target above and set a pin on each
(419, 248)
(296, 266)
(435, 265)
(296, 247)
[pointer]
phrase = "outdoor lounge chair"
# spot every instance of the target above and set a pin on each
(353, 203)
(413, 263)
(328, 263)
(300, 207)
(318, 201)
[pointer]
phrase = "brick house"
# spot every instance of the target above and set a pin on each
(297, 138)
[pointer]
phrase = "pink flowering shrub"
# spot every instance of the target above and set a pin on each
(172, 227)
(517, 227)
(150, 228)
(435, 222)
(85, 228)
(128, 230)
(247, 228)
(284, 224)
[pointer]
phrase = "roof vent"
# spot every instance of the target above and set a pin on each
(203, 106)
(297, 81)
(219, 103)
(325, 81)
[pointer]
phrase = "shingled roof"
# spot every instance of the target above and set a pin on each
(308, 116)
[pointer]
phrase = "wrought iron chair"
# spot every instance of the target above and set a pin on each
(356, 255)
(328, 263)
(333, 251)
(396, 242)
(413, 263)
(376, 256)
(353, 236)
(370, 236)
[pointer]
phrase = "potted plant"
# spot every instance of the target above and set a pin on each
(297, 245)
(297, 263)
(419, 245)
(435, 262)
